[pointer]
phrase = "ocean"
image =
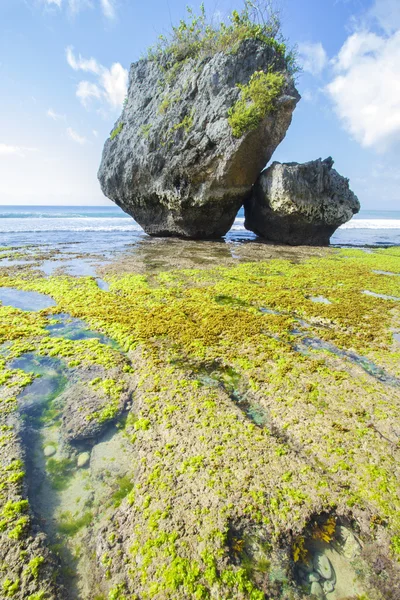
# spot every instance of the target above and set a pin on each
(98, 228)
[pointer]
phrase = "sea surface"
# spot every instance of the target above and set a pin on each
(102, 228)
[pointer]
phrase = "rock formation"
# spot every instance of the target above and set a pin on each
(174, 162)
(300, 204)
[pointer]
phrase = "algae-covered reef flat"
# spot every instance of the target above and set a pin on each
(220, 432)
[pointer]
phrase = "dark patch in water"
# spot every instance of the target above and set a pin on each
(25, 300)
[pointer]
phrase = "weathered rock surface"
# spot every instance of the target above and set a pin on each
(175, 166)
(87, 410)
(297, 204)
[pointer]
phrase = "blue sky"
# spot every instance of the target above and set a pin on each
(63, 73)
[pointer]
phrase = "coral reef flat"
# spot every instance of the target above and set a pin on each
(192, 421)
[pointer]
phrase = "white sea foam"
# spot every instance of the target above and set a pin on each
(372, 224)
(35, 225)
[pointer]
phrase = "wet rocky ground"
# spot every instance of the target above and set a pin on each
(198, 420)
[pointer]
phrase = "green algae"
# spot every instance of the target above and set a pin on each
(69, 525)
(60, 472)
(330, 442)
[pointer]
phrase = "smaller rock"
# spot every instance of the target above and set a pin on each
(329, 586)
(311, 577)
(299, 204)
(323, 566)
(83, 460)
(351, 547)
(49, 451)
(317, 591)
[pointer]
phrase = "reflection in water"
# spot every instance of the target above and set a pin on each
(25, 300)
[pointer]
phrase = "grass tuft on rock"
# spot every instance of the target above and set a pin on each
(258, 99)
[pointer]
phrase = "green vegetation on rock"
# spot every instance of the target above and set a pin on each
(117, 130)
(196, 37)
(257, 100)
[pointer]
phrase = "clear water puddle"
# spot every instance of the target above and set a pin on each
(269, 311)
(103, 285)
(72, 266)
(69, 487)
(9, 262)
(387, 273)
(319, 299)
(308, 344)
(332, 570)
(383, 296)
(25, 300)
(229, 380)
(70, 328)
(36, 399)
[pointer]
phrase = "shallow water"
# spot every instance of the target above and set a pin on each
(68, 499)
(320, 299)
(75, 329)
(35, 401)
(335, 567)
(383, 296)
(103, 285)
(387, 273)
(229, 380)
(367, 365)
(25, 300)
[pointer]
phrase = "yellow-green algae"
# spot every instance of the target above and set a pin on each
(201, 464)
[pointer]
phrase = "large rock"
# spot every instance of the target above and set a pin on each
(295, 204)
(172, 162)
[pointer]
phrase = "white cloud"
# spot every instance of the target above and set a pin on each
(82, 64)
(86, 90)
(387, 13)
(75, 137)
(55, 116)
(115, 83)
(107, 6)
(95, 133)
(366, 89)
(75, 6)
(9, 150)
(313, 57)
(111, 85)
